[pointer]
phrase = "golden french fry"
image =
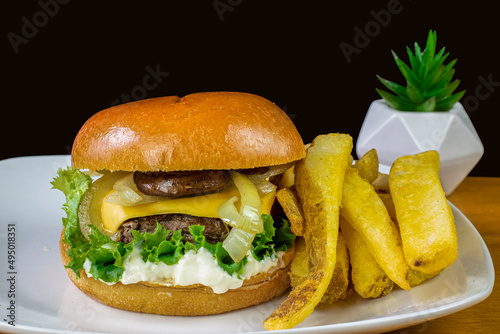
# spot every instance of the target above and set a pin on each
(338, 287)
(425, 219)
(299, 267)
(389, 205)
(368, 165)
(381, 183)
(416, 277)
(365, 211)
(290, 203)
(350, 161)
(369, 280)
(287, 179)
(319, 178)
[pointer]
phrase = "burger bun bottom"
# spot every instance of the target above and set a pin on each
(180, 300)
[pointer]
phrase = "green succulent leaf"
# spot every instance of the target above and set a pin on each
(434, 73)
(427, 105)
(414, 93)
(394, 101)
(447, 91)
(430, 50)
(448, 72)
(413, 60)
(429, 85)
(411, 78)
(418, 53)
(439, 59)
(447, 103)
(394, 87)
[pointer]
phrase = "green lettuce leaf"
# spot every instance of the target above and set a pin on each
(283, 238)
(73, 184)
(221, 255)
(105, 262)
(263, 242)
(156, 248)
(106, 256)
(272, 240)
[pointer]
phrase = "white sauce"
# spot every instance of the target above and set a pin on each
(193, 268)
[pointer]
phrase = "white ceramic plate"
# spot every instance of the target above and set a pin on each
(46, 301)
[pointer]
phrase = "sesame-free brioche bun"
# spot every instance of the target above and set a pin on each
(215, 130)
(182, 300)
(202, 131)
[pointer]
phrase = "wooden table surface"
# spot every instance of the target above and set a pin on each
(478, 198)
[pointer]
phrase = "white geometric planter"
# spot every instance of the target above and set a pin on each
(396, 133)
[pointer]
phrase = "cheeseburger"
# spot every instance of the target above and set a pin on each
(168, 204)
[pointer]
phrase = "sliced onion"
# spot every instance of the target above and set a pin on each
(127, 190)
(251, 205)
(237, 243)
(272, 171)
(126, 193)
(229, 214)
(114, 198)
(89, 211)
(95, 174)
(247, 222)
(265, 187)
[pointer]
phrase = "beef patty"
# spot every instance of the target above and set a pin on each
(214, 232)
(175, 184)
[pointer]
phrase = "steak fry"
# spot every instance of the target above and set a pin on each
(319, 178)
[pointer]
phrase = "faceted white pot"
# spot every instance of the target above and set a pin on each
(396, 133)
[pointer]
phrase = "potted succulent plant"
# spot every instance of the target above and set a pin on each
(423, 115)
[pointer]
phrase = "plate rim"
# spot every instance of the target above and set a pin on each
(391, 321)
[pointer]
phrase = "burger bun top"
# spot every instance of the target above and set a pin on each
(214, 130)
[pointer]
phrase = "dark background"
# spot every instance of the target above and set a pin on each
(84, 55)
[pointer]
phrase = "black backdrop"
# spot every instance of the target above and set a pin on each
(65, 60)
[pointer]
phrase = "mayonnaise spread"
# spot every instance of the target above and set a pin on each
(195, 267)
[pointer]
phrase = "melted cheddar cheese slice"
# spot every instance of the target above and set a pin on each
(114, 215)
